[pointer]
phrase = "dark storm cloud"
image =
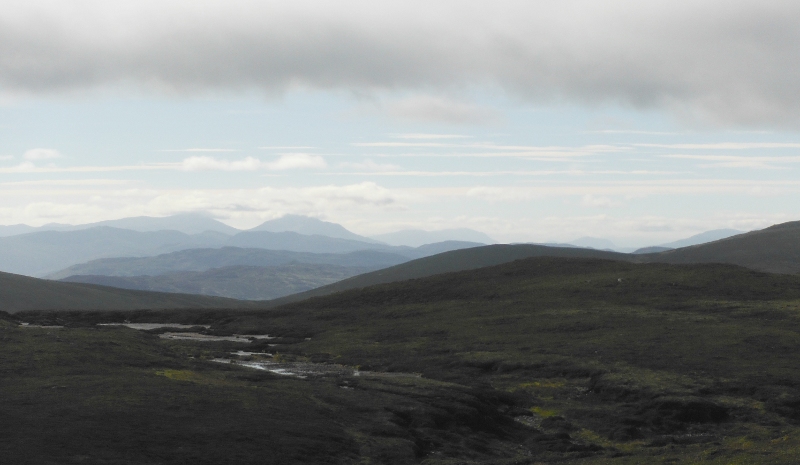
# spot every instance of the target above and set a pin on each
(727, 61)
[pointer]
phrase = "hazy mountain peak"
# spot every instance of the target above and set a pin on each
(189, 223)
(704, 237)
(418, 237)
(594, 242)
(308, 226)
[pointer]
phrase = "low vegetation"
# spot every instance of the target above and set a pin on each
(536, 361)
(19, 293)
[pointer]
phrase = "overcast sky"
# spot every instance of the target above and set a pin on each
(640, 122)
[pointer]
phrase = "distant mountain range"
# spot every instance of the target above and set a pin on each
(206, 259)
(187, 223)
(296, 242)
(295, 257)
(418, 237)
(594, 243)
(314, 227)
(46, 252)
(238, 282)
(774, 249)
(702, 238)
(240, 273)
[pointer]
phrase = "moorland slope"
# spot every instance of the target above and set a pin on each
(20, 293)
(455, 260)
(540, 360)
(775, 249)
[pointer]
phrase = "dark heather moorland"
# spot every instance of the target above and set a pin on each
(541, 360)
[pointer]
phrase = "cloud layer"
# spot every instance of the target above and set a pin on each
(734, 62)
(285, 162)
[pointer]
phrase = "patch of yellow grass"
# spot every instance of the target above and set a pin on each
(544, 413)
(544, 384)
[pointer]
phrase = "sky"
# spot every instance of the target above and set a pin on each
(638, 122)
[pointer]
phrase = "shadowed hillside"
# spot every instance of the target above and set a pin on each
(18, 293)
(541, 360)
(456, 260)
(775, 249)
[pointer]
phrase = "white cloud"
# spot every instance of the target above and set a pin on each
(370, 165)
(287, 147)
(590, 200)
(291, 161)
(733, 62)
(285, 162)
(41, 154)
(33, 204)
(199, 150)
(731, 161)
(726, 146)
(205, 163)
(430, 136)
(24, 167)
(428, 108)
(6, 157)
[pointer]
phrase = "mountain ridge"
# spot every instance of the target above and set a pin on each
(311, 227)
(418, 237)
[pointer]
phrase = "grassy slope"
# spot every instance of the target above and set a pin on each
(237, 282)
(682, 362)
(18, 293)
(456, 260)
(608, 362)
(775, 249)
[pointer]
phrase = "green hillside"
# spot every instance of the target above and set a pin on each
(456, 260)
(775, 249)
(541, 360)
(18, 293)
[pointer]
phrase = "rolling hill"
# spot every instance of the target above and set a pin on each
(205, 259)
(20, 293)
(237, 282)
(451, 261)
(541, 360)
(775, 249)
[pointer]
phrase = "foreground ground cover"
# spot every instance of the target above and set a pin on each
(539, 360)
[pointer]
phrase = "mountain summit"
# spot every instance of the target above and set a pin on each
(309, 226)
(418, 237)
